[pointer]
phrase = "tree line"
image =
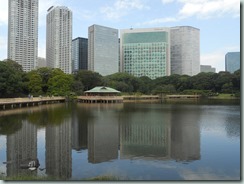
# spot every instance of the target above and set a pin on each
(14, 82)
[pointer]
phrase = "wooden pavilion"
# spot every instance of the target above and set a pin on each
(101, 94)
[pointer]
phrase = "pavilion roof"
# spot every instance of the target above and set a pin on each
(102, 89)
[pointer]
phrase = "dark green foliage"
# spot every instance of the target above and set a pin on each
(202, 81)
(88, 79)
(124, 82)
(34, 83)
(46, 81)
(11, 83)
(60, 84)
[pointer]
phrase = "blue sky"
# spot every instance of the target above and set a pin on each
(218, 21)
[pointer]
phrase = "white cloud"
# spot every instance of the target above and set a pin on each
(204, 9)
(122, 7)
(217, 58)
(201, 9)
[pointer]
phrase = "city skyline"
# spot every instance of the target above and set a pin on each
(219, 25)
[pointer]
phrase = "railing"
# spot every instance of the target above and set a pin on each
(100, 97)
(27, 100)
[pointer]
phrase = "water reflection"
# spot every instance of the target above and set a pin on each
(185, 134)
(21, 146)
(103, 139)
(145, 134)
(58, 150)
(108, 132)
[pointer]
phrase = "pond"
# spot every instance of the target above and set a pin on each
(128, 141)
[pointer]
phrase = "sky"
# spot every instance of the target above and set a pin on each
(218, 21)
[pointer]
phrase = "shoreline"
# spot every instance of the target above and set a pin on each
(19, 103)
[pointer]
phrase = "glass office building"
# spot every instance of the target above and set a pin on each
(232, 61)
(79, 54)
(145, 52)
(103, 50)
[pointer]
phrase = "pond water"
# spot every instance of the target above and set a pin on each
(129, 141)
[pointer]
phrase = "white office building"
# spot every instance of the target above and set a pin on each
(103, 49)
(185, 50)
(23, 33)
(59, 38)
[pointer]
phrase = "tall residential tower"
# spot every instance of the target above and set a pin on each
(23, 33)
(103, 49)
(59, 38)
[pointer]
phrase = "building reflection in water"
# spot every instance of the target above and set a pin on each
(79, 133)
(21, 146)
(160, 135)
(103, 129)
(143, 133)
(58, 150)
(146, 133)
(185, 134)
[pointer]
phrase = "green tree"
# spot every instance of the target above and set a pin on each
(221, 79)
(60, 84)
(46, 74)
(10, 79)
(202, 81)
(166, 89)
(78, 87)
(145, 85)
(89, 79)
(35, 83)
(183, 83)
(236, 77)
(124, 82)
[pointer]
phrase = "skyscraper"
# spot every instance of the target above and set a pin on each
(59, 38)
(232, 61)
(145, 52)
(185, 50)
(23, 33)
(103, 49)
(79, 54)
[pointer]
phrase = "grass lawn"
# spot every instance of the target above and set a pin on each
(224, 96)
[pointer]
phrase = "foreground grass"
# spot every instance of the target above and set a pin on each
(26, 178)
(46, 178)
(104, 178)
